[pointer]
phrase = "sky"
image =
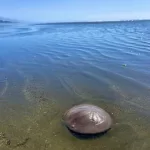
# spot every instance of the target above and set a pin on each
(74, 10)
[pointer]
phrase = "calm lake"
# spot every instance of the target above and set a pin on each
(47, 68)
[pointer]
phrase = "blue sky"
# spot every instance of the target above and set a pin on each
(74, 10)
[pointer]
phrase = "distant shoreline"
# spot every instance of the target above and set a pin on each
(91, 22)
(76, 22)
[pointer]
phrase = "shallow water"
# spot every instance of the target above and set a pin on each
(47, 68)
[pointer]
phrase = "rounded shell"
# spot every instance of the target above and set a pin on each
(87, 119)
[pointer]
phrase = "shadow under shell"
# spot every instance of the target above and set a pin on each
(87, 119)
(87, 136)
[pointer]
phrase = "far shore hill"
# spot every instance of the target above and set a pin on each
(6, 20)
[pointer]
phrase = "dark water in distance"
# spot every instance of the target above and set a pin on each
(46, 69)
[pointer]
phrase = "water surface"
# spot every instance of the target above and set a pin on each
(47, 68)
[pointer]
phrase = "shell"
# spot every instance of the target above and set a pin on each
(87, 119)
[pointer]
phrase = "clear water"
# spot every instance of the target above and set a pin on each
(46, 69)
